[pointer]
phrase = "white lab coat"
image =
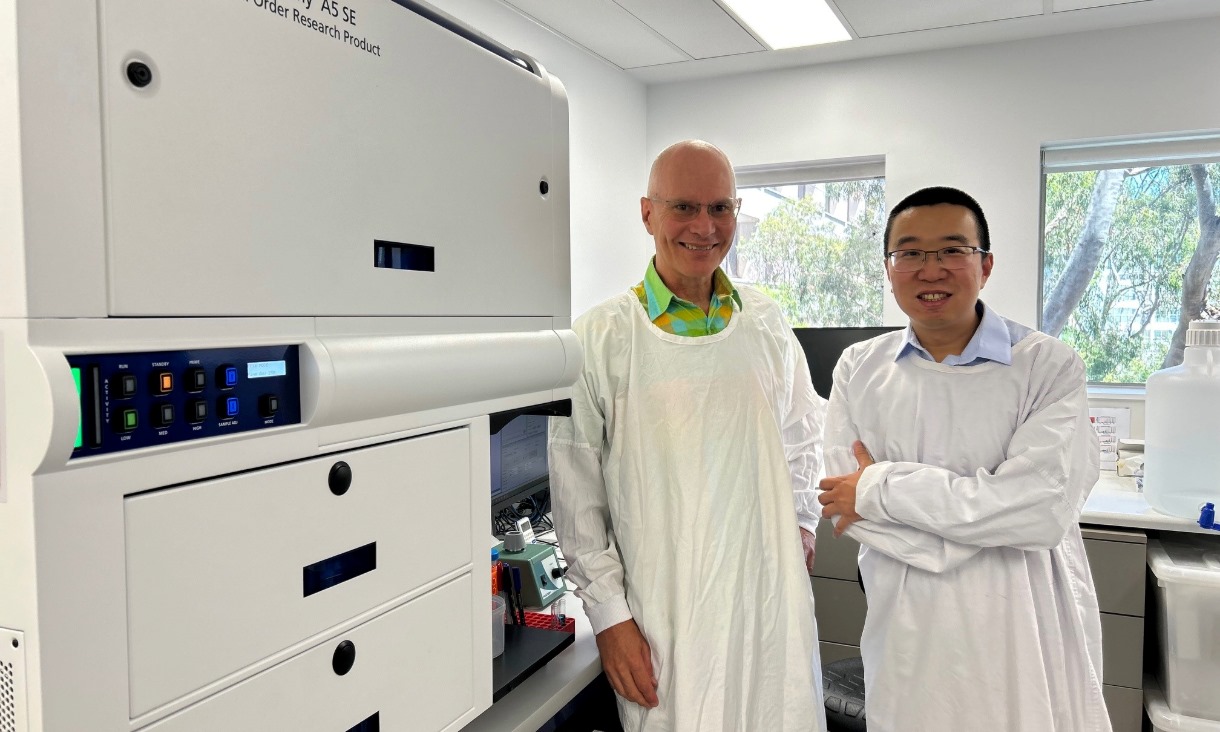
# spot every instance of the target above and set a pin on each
(981, 610)
(673, 487)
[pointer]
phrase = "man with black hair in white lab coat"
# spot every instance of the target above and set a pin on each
(961, 454)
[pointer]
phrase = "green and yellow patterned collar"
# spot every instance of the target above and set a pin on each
(659, 296)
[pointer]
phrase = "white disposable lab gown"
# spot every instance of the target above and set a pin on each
(673, 486)
(982, 615)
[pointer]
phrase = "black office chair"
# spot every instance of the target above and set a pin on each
(843, 691)
(843, 694)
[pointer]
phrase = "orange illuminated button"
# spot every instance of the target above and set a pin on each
(162, 382)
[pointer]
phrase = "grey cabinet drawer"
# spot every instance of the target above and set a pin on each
(836, 556)
(839, 606)
(1122, 650)
(1118, 569)
(1126, 707)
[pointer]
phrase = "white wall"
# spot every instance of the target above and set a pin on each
(608, 159)
(974, 118)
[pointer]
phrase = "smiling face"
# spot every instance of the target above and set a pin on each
(688, 252)
(937, 300)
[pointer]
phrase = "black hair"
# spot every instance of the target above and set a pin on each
(936, 196)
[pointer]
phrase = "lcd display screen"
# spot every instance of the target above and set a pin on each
(264, 369)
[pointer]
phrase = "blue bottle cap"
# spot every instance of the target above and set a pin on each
(1207, 516)
(495, 554)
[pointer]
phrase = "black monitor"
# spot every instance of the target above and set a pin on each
(518, 460)
(823, 346)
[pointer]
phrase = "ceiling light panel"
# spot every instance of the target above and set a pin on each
(885, 17)
(1061, 5)
(701, 28)
(604, 28)
(789, 23)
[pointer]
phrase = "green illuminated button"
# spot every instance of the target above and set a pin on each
(80, 417)
(126, 420)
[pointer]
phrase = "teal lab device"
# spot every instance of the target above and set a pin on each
(541, 577)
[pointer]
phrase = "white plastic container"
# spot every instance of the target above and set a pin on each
(1165, 719)
(1187, 570)
(497, 626)
(1182, 462)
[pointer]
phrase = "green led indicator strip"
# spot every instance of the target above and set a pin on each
(81, 411)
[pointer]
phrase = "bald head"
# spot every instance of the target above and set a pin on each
(681, 154)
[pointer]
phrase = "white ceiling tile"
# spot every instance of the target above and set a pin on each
(1061, 5)
(605, 28)
(883, 17)
(700, 27)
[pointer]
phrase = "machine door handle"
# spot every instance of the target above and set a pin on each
(343, 658)
(340, 478)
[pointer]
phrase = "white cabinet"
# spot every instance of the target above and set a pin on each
(410, 666)
(224, 573)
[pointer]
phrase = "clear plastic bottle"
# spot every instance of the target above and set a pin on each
(1182, 427)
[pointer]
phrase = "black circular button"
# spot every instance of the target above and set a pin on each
(345, 656)
(139, 74)
(544, 187)
(340, 478)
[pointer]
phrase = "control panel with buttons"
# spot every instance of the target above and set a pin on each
(134, 400)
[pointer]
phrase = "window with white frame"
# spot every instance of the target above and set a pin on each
(1129, 247)
(809, 235)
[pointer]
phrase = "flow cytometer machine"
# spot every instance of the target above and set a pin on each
(266, 275)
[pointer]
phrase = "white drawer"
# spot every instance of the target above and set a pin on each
(217, 574)
(412, 668)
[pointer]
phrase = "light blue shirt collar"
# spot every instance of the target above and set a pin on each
(992, 341)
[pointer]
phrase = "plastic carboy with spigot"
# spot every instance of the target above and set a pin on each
(1182, 427)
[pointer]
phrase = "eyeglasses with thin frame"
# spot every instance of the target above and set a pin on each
(912, 260)
(689, 211)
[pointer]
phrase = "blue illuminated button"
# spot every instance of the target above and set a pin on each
(226, 376)
(228, 407)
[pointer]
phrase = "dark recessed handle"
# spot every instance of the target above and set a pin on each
(372, 724)
(344, 658)
(340, 478)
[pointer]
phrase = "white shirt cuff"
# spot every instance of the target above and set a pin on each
(868, 494)
(608, 613)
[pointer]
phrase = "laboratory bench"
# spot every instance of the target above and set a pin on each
(1116, 524)
(533, 702)
(537, 699)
